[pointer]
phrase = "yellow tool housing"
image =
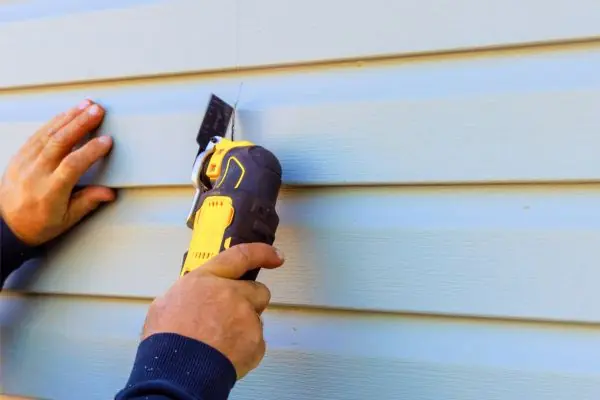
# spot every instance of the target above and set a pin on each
(244, 181)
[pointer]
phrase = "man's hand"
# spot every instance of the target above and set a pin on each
(36, 199)
(210, 305)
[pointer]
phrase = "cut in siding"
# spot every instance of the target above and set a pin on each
(232, 33)
(497, 119)
(310, 355)
(511, 251)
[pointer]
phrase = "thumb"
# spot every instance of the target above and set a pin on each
(85, 201)
(239, 259)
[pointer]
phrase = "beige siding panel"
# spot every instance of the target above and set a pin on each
(276, 32)
(508, 251)
(189, 35)
(311, 355)
(461, 120)
(163, 37)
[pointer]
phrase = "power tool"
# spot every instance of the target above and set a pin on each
(237, 184)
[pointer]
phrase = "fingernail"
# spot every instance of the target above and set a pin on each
(84, 104)
(94, 110)
(280, 254)
(104, 139)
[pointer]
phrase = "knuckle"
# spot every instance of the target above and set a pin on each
(263, 291)
(242, 252)
(58, 138)
(267, 295)
(245, 310)
(50, 132)
(225, 293)
(72, 128)
(55, 124)
(70, 164)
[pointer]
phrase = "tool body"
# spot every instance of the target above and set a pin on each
(237, 185)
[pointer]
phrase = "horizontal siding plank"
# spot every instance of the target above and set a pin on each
(276, 32)
(179, 36)
(462, 120)
(484, 251)
(163, 37)
(309, 354)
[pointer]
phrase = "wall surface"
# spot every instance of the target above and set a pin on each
(441, 200)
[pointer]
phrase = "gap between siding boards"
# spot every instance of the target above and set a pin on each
(362, 62)
(324, 311)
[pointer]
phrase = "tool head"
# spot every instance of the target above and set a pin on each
(216, 120)
(214, 126)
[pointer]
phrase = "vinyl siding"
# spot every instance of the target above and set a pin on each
(503, 251)
(233, 34)
(441, 190)
(312, 354)
(469, 118)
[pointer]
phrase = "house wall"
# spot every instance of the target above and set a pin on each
(441, 193)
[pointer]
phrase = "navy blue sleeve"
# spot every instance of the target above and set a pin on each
(13, 252)
(174, 367)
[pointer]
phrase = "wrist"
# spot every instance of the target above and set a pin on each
(181, 364)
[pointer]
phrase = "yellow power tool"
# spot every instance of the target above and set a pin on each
(237, 184)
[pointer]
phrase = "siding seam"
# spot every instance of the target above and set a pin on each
(281, 69)
(320, 310)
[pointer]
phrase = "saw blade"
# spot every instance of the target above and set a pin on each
(215, 123)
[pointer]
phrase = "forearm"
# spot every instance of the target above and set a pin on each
(13, 252)
(173, 367)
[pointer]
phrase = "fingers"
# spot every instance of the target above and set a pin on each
(36, 142)
(62, 142)
(71, 169)
(237, 260)
(62, 119)
(85, 201)
(256, 293)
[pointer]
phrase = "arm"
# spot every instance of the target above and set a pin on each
(205, 332)
(169, 366)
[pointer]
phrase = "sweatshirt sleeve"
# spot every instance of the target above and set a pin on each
(169, 366)
(13, 252)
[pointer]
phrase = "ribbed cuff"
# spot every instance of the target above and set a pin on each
(13, 252)
(167, 362)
